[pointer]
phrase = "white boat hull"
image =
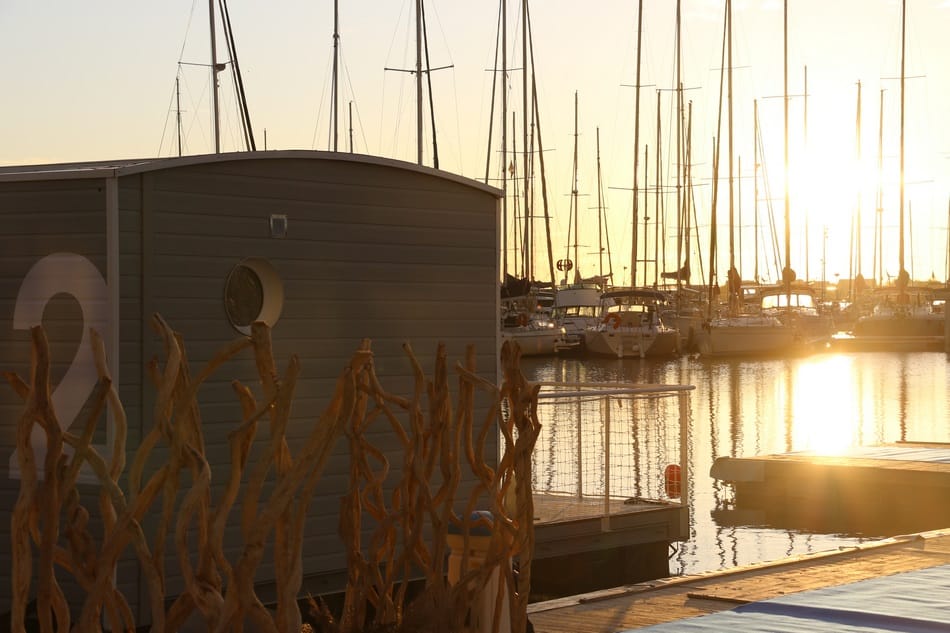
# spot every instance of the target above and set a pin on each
(619, 342)
(534, 342)
(746, 337)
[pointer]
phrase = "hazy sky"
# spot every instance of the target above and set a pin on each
(96, 80)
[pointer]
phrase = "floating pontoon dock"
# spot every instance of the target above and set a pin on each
(878, 490)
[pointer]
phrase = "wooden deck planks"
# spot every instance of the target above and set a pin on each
(645, 604)
(553, 508)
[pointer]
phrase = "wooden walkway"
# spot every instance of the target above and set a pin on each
(636, 606)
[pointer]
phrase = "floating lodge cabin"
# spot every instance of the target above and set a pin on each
(327, 248)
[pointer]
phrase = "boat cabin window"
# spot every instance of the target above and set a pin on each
(798, 300)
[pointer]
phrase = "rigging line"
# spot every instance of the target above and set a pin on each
(349, 82)
(382, 111)
(196, 103)
(168, 111)
(323, 96)
(181, 54)
(239, 80)
(772, 225)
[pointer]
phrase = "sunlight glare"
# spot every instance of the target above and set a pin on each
(825, 407)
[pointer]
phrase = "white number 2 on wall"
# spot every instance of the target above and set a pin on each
(72, 274)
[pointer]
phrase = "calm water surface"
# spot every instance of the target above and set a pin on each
(828, 401)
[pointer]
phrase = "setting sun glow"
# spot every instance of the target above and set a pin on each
(826, 409)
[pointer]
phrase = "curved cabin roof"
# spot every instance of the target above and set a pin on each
(130, 166)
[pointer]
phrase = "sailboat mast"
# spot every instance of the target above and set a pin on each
(646, 204)
(528, 160)
(334, 97)
(856, 235)
(419, 81)
(805, 141)
(656, 210)
(214, 82)
(536, 118)
(787, 273)
(178, 110)
(755, 189)
(902, 274)
(636, 152)
(733, 286)
(878, 217)
(858, 150)
(600, 211)
(520, 229)
(574, 190)
(350, 106)
(504, 135)
(679, 145)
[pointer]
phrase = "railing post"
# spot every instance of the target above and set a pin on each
(606, 521)
(580, 451)
(684, 464)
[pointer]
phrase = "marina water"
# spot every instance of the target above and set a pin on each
(827, 402)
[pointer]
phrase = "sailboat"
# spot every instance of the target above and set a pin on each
(739, 331)
(631, 325)
(577, 301)
(904, 317)
(525, 315)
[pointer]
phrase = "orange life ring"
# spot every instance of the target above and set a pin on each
(613, 316)
(672, 481)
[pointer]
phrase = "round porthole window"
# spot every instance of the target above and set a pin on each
(253, 292)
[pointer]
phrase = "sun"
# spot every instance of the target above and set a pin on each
(826, 409)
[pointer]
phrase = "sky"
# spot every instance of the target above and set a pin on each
(96, 80)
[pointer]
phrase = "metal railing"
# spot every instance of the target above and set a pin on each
(613, 442)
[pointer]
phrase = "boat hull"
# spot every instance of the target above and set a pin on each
(746, 337)
(618, 342)
(898, 333)
(535, 342)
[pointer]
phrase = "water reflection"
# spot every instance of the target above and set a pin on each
(827, 402)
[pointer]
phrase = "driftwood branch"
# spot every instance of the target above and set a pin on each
(413, 505)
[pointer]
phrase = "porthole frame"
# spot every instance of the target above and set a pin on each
(272, 293)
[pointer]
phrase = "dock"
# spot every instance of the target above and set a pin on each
(583, 544)
(879, 490)
(895, 492)
(730, 595)
(608, 505)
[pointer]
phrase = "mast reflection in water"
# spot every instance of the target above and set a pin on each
(827, 402)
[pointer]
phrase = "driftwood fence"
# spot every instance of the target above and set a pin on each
(409, 513)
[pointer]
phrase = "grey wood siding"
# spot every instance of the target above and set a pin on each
(374, 249)
(42, 218)
(370, 251)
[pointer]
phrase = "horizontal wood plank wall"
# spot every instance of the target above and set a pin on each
(371, 251)
(42, 218)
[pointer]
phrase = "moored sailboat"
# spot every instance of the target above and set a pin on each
(740, 331)
(904, 318)
(631, 326)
